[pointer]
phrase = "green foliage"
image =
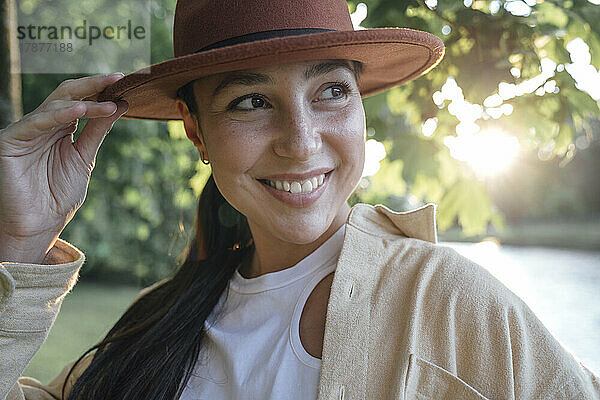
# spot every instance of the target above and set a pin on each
(385, 186)
(141, 204)
(140, 208)
(473, 219)
(482, 45)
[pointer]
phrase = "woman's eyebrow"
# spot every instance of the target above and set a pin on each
(246, 79)
(325, 67)
(249, 79)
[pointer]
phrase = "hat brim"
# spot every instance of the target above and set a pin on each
(390, 57)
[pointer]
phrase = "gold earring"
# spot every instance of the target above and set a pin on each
(205, 162)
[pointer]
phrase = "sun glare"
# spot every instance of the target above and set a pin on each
(374, 153)
(488, 152)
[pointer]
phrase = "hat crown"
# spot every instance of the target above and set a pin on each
(201, 23)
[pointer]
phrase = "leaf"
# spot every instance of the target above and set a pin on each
(386, 182)
(176, 129)
(548, 13)
(418, 156)
(399, 104)
(556, 51)
(581, 103)
(427, 188)
(449, 169)
(593, 41)
(563, 139)
(469, 203)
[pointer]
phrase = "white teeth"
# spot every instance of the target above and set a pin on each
(306, 186)
(315, 182)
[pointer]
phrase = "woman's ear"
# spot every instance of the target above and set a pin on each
(190, 124)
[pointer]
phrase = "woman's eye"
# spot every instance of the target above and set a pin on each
(337, 91)
(248, 103)
(333, 92)
(254, 101)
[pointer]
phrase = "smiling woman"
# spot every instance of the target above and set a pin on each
(292, 125)
(286, 292)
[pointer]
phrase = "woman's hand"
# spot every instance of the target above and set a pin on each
(44, 175)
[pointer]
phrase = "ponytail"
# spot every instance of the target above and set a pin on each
(151, 351)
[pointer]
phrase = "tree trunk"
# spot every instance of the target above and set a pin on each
(10, 69)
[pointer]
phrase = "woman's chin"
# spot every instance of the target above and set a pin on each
(297, 230)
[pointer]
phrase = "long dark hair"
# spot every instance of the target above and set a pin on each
(150, 352)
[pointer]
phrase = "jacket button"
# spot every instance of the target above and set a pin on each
(342, 393)
(351, 290)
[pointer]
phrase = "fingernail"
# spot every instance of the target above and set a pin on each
(117, 75)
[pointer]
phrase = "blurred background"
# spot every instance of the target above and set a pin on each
(503, 136)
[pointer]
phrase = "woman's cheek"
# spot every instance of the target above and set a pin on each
(235, 149)
(354, 152)
(350, 135)
(359, 162)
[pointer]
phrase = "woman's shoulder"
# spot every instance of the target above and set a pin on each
(401, 254)
(403, 245)
(435, 271)
(464, 319)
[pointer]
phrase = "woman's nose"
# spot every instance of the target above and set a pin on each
(299, 135)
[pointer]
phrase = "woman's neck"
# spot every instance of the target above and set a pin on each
(271, 254)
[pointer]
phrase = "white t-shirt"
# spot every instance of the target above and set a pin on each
(253, 349)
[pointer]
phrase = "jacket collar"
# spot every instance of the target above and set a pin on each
(418, 223)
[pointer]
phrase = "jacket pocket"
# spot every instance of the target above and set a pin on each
(427, 381)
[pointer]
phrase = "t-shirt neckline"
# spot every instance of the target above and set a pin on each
(273, 280)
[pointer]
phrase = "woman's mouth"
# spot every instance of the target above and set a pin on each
(297, 193)
(291, 186)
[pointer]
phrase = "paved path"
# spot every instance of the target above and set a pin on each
(561, 286)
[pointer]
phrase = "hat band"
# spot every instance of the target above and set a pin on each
(251, 37)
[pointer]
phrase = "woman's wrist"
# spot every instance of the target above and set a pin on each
(27, 252)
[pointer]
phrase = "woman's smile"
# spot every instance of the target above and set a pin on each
(286, 151)
(297, 190)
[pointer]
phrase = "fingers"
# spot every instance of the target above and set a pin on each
(57, 117)
(93, 134)
(77, 89)
(69, 128)
(90, 105)
(64, 106)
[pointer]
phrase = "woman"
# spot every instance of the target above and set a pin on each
(286, 291)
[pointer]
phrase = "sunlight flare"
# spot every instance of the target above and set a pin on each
(488, 152)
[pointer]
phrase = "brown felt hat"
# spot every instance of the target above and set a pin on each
(214, 36)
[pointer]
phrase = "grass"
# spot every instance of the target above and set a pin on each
(86, 315)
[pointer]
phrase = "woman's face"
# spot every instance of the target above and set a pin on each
(286, 143)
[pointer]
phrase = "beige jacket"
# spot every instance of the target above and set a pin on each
(406, 319)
